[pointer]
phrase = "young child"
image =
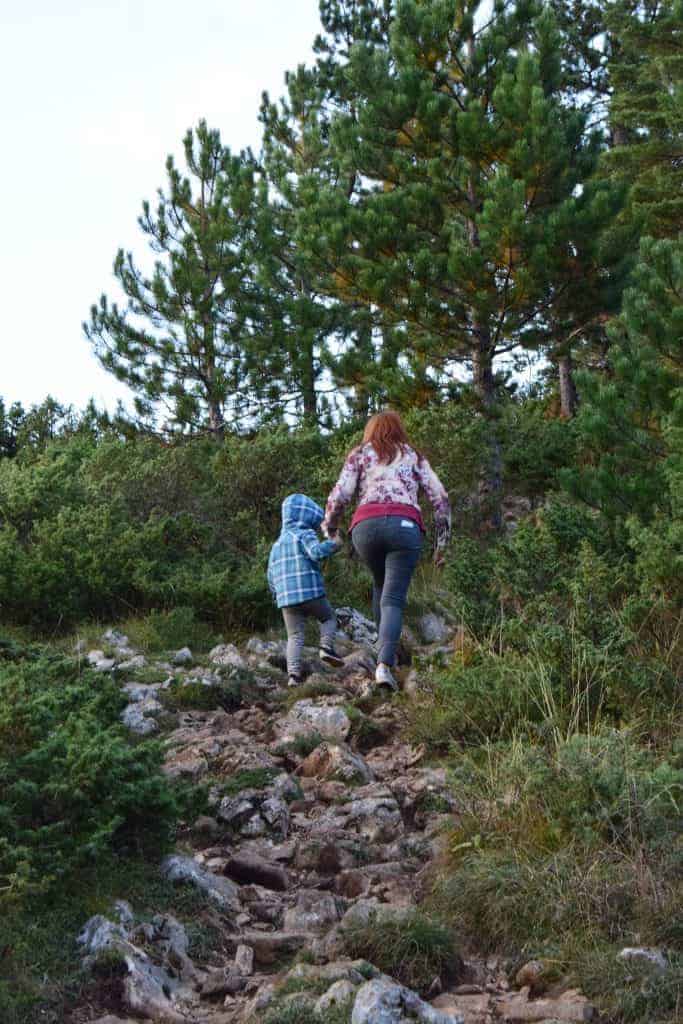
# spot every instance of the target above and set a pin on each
(297, 584)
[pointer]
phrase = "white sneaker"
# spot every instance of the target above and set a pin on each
(384, 677)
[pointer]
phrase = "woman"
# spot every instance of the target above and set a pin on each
(385, 473)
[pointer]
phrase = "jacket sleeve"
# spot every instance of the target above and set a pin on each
(315, 549)
(342, 493)
(271, 576)
(438, 496)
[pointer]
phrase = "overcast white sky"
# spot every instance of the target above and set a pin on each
(93, 96)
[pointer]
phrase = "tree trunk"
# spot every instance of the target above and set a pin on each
(216, 419)
(491, 482)
(308, 392)
(309, 395)
(568, 398)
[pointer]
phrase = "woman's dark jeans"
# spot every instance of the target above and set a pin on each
(390, 546)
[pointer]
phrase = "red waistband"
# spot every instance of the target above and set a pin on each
(388, 508)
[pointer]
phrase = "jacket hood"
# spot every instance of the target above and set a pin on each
(300, 511)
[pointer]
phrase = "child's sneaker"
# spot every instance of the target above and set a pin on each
(294, 681)
(328, 654)
(385, 677)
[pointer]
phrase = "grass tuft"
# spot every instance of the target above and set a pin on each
(413, 948)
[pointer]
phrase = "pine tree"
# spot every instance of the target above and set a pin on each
(323, 346)
(647, 79)
(299, 323)
(181, 339)
(467, 172)
(632, 418)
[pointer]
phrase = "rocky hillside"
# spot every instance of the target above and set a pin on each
(324, 833)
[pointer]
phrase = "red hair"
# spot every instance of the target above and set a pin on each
(387, 435)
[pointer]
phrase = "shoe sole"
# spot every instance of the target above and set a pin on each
(331, 659)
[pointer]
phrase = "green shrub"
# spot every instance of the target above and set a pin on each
(412, 947)
(181, 696)
(71, 783)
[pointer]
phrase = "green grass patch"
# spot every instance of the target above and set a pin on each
(162, 631)
(414, 948)
(309, 690)
(255, 778)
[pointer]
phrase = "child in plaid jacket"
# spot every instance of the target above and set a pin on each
(297, 584)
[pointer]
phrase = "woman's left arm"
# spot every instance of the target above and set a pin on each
(438, 496)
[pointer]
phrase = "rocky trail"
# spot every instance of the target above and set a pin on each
(323, 822)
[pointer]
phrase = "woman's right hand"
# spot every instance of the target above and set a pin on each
(439, 557)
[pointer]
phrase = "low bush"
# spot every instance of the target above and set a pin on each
(183, 695)
(411, 947)
(72, 785)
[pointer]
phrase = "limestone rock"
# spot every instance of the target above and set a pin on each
(375, 814)
(336, 761)
(356, 626)
(474, 1008)
(337, 995)
(148, 989)
(139, 717)
(183, 656)
(249, 868)
(433, 628)
(221, 890)
(307, 716)
(268, 946)
(644, 954)
(383, 1001)
(227, 655)
(222, 982)
(131, 664)
(244, 960)
(314, 912)
(572, 1007)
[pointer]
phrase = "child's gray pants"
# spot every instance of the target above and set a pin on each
(295, 616)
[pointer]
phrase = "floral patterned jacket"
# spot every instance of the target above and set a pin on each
(368, 480)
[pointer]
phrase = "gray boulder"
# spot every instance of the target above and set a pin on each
(337, 995)
(139, 716)
(148, 990)
(306, 716)
(644, 954)
(433, 628)
(227, 655)
(314, 912)
(219, 889)
(383, 1001)
(183, 656)
(356, 626)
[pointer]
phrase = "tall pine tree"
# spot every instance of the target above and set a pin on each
(647, 102)
(181, 339)
(466, 201)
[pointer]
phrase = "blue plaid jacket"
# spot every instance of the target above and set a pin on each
(294, 564)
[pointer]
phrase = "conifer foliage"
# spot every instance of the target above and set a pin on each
(181, 339)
